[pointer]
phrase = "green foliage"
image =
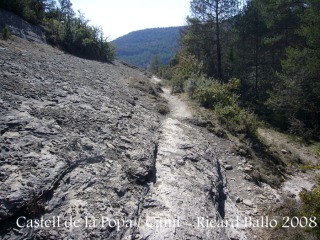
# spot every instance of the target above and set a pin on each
(234, 85)
(236, 119)
(215, 93)
(197, 41)
(185, 66)
(6, 33)
(63, 27)
(30, 15)
(295, 98)
(31, 10)
(311, 207)
(78, 38)
(192, 84)
(213, 13)
(273, 48)
(305, 212)
(223, 100)
(165, 72)
(293, 94)
(248, 58)
(177, 85)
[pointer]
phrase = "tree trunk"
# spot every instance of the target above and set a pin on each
(256, 61)
(218, 41)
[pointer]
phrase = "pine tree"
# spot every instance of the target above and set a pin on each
(215, 11)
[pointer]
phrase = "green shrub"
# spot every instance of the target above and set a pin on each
(215, 93)
(236, 119)
(307, 211)
(222, 99)
(207, 96)
(177, 85)
(63, 27)
(30, 15)
(6, 33)
(54, 31)
(234, 85)
(185, 67)
(311, 207)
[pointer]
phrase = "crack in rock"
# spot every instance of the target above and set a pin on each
(183, 195)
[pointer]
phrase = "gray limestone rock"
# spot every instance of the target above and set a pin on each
(74, 143)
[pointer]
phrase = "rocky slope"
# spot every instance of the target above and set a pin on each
(188, 184)
(84, 154)
(21, 28)
(78, 138)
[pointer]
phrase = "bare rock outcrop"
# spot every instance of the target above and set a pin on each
(21, 28)
(78, 141)
(85, 154)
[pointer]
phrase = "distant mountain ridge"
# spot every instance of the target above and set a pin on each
(139, 47)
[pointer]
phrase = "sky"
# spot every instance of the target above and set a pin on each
(119, 17)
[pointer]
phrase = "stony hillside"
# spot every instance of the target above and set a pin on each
(20, 27)
(79, 144)
(82, 143)
(77, 137)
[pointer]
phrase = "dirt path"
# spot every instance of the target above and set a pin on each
(200, 190)
(179, 109)
(188, 188)
(177, 198)
(180, 198)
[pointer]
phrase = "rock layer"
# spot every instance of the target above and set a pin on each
(187, 187)
(78, 140)
(85, 154)
(20, 27)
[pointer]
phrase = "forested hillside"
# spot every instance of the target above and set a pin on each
(143, 46)
(267, 51)
(64, 28)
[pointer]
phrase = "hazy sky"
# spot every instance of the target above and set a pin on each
(119, 17)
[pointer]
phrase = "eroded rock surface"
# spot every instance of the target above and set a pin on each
(20, 27)
(85, 155)
(78, 140)
(187, 189)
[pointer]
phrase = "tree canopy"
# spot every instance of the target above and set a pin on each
(64, 27)
(272, 47)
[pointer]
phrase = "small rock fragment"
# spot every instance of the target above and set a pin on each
(248, 202)
(228, 167)
(180, 161)
(110, 146)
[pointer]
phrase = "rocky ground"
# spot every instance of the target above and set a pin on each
(85, 154)
(188, 184)
(78, 139)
